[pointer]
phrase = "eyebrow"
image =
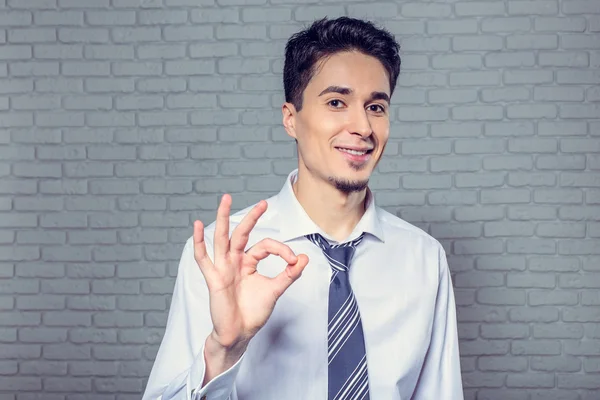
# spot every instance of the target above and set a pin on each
(346, 91)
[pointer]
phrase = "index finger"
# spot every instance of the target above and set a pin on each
(239, 238)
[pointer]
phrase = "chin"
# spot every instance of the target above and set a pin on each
(350, 182)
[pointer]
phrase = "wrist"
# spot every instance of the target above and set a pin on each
(229, 349)
(219, 358)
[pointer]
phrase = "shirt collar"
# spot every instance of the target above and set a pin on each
(294, 222)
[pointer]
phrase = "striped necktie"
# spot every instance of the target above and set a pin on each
(347, 378)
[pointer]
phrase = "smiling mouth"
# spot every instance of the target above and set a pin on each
(355, 152)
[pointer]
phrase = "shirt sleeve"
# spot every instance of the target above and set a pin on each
(179, 367)
(440, 377)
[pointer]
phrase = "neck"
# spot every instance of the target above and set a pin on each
(335, 212)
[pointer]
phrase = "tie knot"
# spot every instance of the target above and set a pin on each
(338, 255)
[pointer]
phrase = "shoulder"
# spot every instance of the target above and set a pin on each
(395, 228)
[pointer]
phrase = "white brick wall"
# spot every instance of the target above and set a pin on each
(122, 121)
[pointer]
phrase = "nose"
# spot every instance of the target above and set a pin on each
(360, 124)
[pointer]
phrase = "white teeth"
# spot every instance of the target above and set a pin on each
(354, 152)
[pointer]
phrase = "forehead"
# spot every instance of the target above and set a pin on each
(354, 70)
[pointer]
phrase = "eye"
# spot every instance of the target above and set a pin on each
(377, 108)
(335, 103)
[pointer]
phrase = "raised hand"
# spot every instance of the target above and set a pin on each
(241, 300)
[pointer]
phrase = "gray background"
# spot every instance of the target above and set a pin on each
(123, 120)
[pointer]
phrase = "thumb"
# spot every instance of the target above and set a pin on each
(291, 273)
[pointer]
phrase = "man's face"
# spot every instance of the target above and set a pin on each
(343, 125)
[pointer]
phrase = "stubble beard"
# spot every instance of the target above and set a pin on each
(348, 186)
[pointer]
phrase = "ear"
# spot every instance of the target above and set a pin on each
(289, 119)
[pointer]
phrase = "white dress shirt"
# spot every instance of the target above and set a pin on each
(401, 281)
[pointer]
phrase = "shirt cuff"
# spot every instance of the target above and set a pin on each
(219, 388)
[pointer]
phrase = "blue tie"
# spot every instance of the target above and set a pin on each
(348, 378)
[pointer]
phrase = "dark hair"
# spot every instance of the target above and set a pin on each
(326, 37)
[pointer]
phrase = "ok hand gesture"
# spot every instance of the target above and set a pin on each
(241, 300)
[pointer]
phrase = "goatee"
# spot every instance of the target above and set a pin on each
(347, 186)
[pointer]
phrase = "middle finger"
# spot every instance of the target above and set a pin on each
(240, 235)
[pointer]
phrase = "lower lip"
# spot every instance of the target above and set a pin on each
(356, 158)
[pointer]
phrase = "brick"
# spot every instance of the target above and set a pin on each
(500, 394)
(565, 59)
(104, 18)
(580, 77)
(502, 364)
(579, 41)
(496, 229)
(560, 24)
(211, 50)
(137, 68)
(480, 113)
(108, 52)
(161, 85)
(310, 13)
(21, 384)
(474, 8)
(449, 27)
(503, 24)
(136, 3)
(104, 85)
(456, 61)
(433, 44)
(111, 352)
(481, 43)
(579, 111)
(486, 246)
(527, 213)
(161, 51)
(572, 381)
(527, 77)
(83, 35)
(445, 96)
(531, 111)
(162, 17)
(44, 368)
(403, 165)
(444, 164)
(530, 380)
(520, 128)
(70, 384)
(15, 18)
(485, 347)
(429, 214)
(582, 348)
(482, 379)
(422, 113)
(188, 68)
(139, 102)
(58, 18)
(184, 33)
(451, 197)
(31, 35)
(581, 7)
(495, 296)
(557, 331)
(478, 213)
(95, 368)
(426, 182)
(535, 7)
(273, 14)
(37, 68)
(532, 41)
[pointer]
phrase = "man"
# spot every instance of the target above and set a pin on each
(354, 303)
